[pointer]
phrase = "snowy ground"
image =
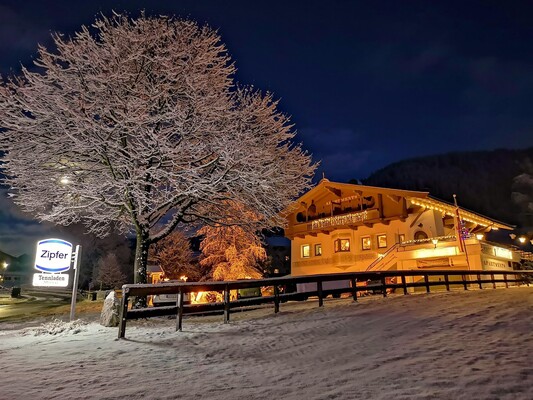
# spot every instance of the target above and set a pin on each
(460, 345)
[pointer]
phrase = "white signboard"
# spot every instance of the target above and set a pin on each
(55, 280)
(53, 256)
(503, 253)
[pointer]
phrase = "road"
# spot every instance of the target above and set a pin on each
(32, 302)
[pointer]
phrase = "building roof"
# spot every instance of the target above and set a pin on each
(422, 199)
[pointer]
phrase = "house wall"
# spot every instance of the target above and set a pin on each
(357, 258)
(334, 214)
(445, 254)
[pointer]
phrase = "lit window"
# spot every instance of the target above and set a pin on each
(342, 245)
(318, 249)
(382, 241)
(306, 250)
(366, 243)
(401, 237)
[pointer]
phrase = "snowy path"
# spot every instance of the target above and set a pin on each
(461, 345)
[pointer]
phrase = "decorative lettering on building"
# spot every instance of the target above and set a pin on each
(337, 220)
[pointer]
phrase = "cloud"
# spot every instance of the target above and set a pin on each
(18, 231)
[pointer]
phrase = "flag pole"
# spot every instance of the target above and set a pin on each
(462, 244)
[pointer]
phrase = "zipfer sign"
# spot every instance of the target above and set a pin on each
(53, 257)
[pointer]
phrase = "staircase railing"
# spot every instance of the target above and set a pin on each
(385, 257)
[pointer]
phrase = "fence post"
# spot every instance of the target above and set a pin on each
(426, 280)
(276, 299)
(464, 281)
(404, 284)
(479, 280)
(505, 280)
(226, 304)
(492, 279)
(384, 285)
(354, 289)
(123, 313)
(447, 282)
(319, 289)
(179, 305)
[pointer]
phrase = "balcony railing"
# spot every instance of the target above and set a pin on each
(448, 238)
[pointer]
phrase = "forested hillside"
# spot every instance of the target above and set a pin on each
(498, 184)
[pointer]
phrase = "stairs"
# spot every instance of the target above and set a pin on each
(385, 261)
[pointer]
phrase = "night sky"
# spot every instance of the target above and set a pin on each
(367, 83)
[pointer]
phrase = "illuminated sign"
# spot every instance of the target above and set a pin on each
(54, 280)
(438, 252)
(53, 256)
(346, 219)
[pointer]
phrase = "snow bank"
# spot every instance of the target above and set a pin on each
(460, 345)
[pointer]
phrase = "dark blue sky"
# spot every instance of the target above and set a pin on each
(367, 82)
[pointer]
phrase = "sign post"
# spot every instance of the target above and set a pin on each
(76, 257)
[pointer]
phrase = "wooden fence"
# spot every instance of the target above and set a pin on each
(351, 282)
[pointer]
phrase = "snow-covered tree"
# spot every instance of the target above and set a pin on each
(175, 256)
(109, 273)
(138, 124)
(232, 251)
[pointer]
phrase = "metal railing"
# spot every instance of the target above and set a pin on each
(382, 281)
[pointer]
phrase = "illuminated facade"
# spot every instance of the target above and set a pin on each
(338, 227)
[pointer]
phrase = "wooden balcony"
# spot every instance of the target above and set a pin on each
(327, 224)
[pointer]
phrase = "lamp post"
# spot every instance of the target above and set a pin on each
(4, 265)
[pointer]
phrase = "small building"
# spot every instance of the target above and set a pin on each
(15, 271)
(339, 227)
(154, 273)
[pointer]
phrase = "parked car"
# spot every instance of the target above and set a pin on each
(160, 300)
(248, 292)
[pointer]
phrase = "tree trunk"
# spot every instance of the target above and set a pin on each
(141, 260)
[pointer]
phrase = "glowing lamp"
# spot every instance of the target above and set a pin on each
(522, 239)
(435, 241)
(480, 236)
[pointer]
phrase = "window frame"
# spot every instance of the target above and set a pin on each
(319, 247)
(337, 247)
(378, 239)
(363, 247)
(302, 251)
